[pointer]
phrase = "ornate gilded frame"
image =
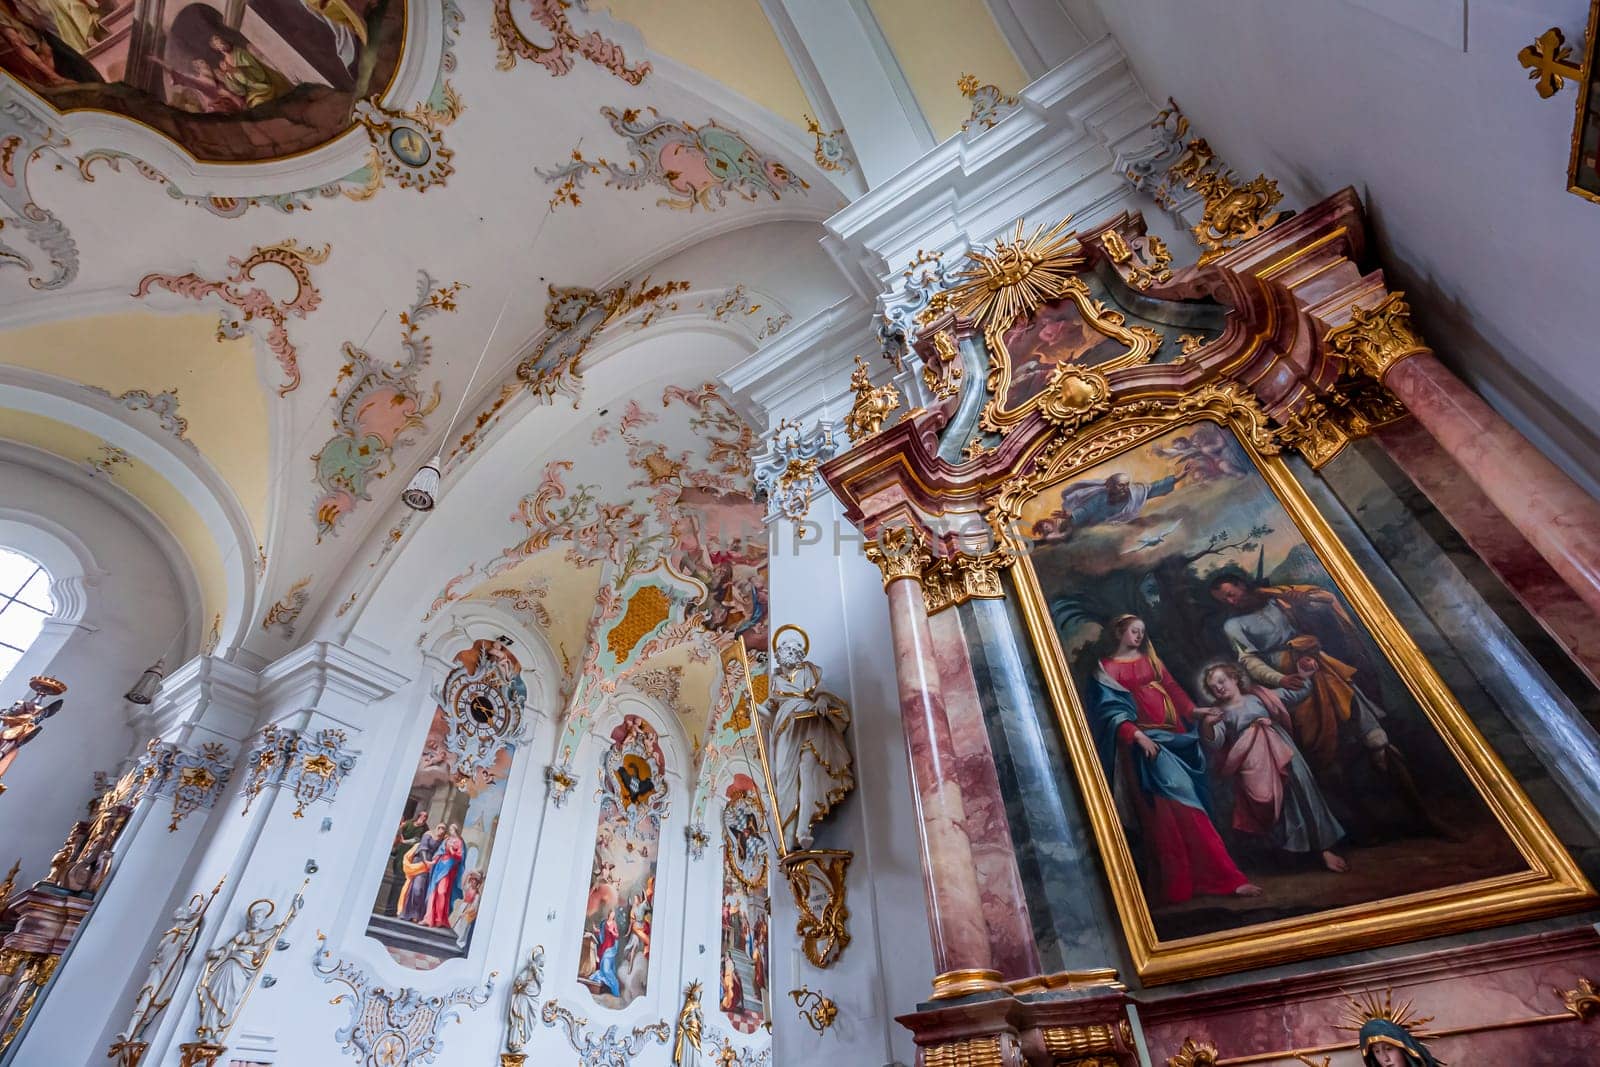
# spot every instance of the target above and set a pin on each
(1141, 341)
(1591, 55)
(1552, 883)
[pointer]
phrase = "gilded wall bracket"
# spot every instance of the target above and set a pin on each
(817, 879)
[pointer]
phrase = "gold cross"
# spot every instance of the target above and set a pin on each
(1549, 62)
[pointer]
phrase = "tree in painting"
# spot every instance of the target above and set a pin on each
(432, 887)
(746, 909)
(234, 81)
(614, 959)
(1266, 758)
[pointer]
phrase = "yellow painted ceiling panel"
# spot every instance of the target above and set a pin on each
(219, 392)
(145, 485)
(936, 41)
(729, 40)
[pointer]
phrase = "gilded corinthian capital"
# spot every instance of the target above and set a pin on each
(1376, 339)
(899, 552)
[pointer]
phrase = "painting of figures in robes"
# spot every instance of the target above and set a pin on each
(614, 959)
(746, 909)
(228, 81)
(432, 887)
(1262, 752)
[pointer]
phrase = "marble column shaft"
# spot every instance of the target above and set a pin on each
(1005, 907)
(1558, 518)
(950, 877)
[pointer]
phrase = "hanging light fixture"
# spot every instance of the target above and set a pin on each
(423, 491)
(144, 690)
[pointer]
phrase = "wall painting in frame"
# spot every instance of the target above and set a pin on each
(1583, 170)
(1272, 768)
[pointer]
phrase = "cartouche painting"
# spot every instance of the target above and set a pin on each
(229, 80)
(1267, 756)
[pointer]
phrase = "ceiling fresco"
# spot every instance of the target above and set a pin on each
(130, 199)
(229, 82)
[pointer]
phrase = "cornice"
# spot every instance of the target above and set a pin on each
(1061, 138)
(326, 678)
(805, 369)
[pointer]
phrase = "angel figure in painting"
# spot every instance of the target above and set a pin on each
(812, 763)
(1144, 730)
(1275, 794)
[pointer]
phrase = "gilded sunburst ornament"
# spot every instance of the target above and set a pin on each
(1018, 275)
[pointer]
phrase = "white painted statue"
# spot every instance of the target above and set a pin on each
(521, 1008)
(811, 762)
(165, 967)
(231, 969)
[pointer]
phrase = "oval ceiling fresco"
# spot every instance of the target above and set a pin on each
(231, 81)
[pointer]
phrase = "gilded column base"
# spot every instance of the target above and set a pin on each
(1076, 1020)
(128, 1053)
(952, 984)
(513, 1059)
(200, 1054)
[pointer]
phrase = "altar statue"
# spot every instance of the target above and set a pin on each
(811, 762)
(231, 969)
(22, 722)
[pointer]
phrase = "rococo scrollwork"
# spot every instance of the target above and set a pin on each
(786, 470)
(310, 766)
(387, 1026)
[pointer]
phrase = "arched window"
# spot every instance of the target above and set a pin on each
(25, 604)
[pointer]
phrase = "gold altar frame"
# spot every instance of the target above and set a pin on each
(1553, 883)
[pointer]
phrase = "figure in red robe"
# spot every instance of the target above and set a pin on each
(444, 881)
(1145, 733)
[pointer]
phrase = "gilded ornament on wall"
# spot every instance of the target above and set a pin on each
(873, 404)
(1550, 65)
(786, 470)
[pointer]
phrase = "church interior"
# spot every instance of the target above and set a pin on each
(750, 533)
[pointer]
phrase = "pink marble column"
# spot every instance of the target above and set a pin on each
(1559, 520)
(1005, 908)
(955, 902)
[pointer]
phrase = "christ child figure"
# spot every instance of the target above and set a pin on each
(1276, 797)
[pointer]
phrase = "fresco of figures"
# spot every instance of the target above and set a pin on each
(432, 887)
(614, 959)
(1266, 759)
(231, 82)
(742, 992)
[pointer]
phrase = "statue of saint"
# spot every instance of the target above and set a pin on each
(811, 762)
(172, 951)
(525, 993)
(688, 1027)
(231, 969)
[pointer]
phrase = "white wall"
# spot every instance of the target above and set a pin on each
(132, 609)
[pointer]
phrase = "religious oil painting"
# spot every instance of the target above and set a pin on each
(228, 80)
(614, 959)
(1583, 174)
(1265, 757)
(1054, 334)
(746, 909)
(432, 887)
